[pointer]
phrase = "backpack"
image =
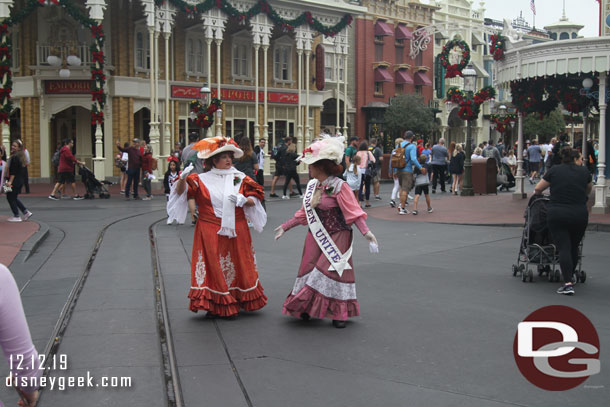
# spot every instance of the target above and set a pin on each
(275, 152)
(153, 164)
(55, 158)
(398, 157)
(371, 169)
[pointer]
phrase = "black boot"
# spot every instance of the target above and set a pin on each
(305, 316)
(338, 324)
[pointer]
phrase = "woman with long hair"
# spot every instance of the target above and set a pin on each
(290, 167)
(224, 275)
(247, 163)
(325, 286)
(567, 214)
(394, 171)
(15, 180)
(456, 167)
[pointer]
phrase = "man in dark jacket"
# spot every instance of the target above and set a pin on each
(134, 165)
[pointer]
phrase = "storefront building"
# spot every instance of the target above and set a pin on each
(156, 59)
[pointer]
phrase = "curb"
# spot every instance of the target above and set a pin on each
(30, 246)
(592, 227)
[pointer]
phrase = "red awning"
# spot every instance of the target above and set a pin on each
(403, 33)
(382, 75)
(403, 77)
(422, 80)
(382, 28)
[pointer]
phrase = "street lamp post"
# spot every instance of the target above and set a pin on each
(204, 99)
(470, 81)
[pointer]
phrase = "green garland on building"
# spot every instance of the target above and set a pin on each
(262, 6)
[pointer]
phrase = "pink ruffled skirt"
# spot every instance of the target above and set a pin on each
(320, 292)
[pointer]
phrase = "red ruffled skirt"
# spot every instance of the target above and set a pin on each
(224, 276)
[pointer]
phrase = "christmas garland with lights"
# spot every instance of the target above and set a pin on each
(498, 46)
(502, 122)
(454, 70)
(470, 106)
(204, 115)
(543, 95)
(98, 79)
(262, 6)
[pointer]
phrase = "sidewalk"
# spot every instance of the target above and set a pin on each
(497, 210)
(13, 236)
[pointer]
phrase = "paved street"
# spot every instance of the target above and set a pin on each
(439, 313)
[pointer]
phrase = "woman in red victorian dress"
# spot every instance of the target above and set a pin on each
(325, 285)
(224, 276)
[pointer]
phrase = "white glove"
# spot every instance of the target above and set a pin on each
(279, 232)
(185, 172)
(373, 246)
(238, 199)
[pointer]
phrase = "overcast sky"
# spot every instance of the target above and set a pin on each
(585, 12)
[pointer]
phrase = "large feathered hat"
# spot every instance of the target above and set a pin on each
(327, 148)
(209, 147)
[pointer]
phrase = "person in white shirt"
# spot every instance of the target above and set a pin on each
(353, 175)
(477, 153)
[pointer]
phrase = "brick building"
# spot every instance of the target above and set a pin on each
(157, 59)
(384, 67)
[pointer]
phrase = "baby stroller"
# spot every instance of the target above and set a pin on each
(537, 246)
(93, 185)
(506, 179)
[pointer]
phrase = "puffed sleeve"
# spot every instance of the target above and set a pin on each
(192, 181)
(256, 213)
(352, 212)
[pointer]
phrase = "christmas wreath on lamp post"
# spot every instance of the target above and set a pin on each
(470, 106)
(454, 70)
(202, 113)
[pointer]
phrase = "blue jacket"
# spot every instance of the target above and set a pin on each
(410, 156)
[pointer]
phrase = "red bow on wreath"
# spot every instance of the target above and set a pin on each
(97, 31)
(453, 71)
(97, 118)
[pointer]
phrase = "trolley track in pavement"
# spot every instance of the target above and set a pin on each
(170, 372)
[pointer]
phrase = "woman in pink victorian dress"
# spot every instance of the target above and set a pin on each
(325, 285)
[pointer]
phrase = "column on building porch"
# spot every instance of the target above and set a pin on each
(165, 16)
(214, 22)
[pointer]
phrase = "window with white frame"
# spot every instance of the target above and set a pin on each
(329, 67)
(340, 60)
(241, 55)
(196, 55)
(16, 50)
(142, 49)
(282, 58)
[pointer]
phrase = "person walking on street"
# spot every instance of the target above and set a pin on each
(67, 163)
(325, 286)
(15, 178)
(224, 274)
(394, 172)
(405, 174)
(259, 150)
(378, 154)
(438, 158)
(365, 186)
(456, 168)
(567, 214)
(26, 181)
(280, 170)
(534, 154)
(492, 152)
(134, 165)
(147, 172)
(290, 166)
(422, 182)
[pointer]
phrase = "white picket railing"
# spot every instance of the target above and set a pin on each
(44, 50)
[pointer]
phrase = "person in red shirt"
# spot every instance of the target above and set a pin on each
(65, 171)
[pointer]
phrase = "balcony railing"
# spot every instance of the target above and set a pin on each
(44, 50)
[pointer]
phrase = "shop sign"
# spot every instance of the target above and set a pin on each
(235, 95)
(67, 87)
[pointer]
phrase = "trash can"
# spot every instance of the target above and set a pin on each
(484, 176)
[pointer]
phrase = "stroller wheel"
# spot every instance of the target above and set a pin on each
(582, 277)
(551, 277)
(530, 275)
(540, 270)
(515, 270)
(524, 277)
(521, 268)
(557, 276)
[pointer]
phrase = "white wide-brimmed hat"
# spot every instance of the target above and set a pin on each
(212, 146)
(329, 148)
